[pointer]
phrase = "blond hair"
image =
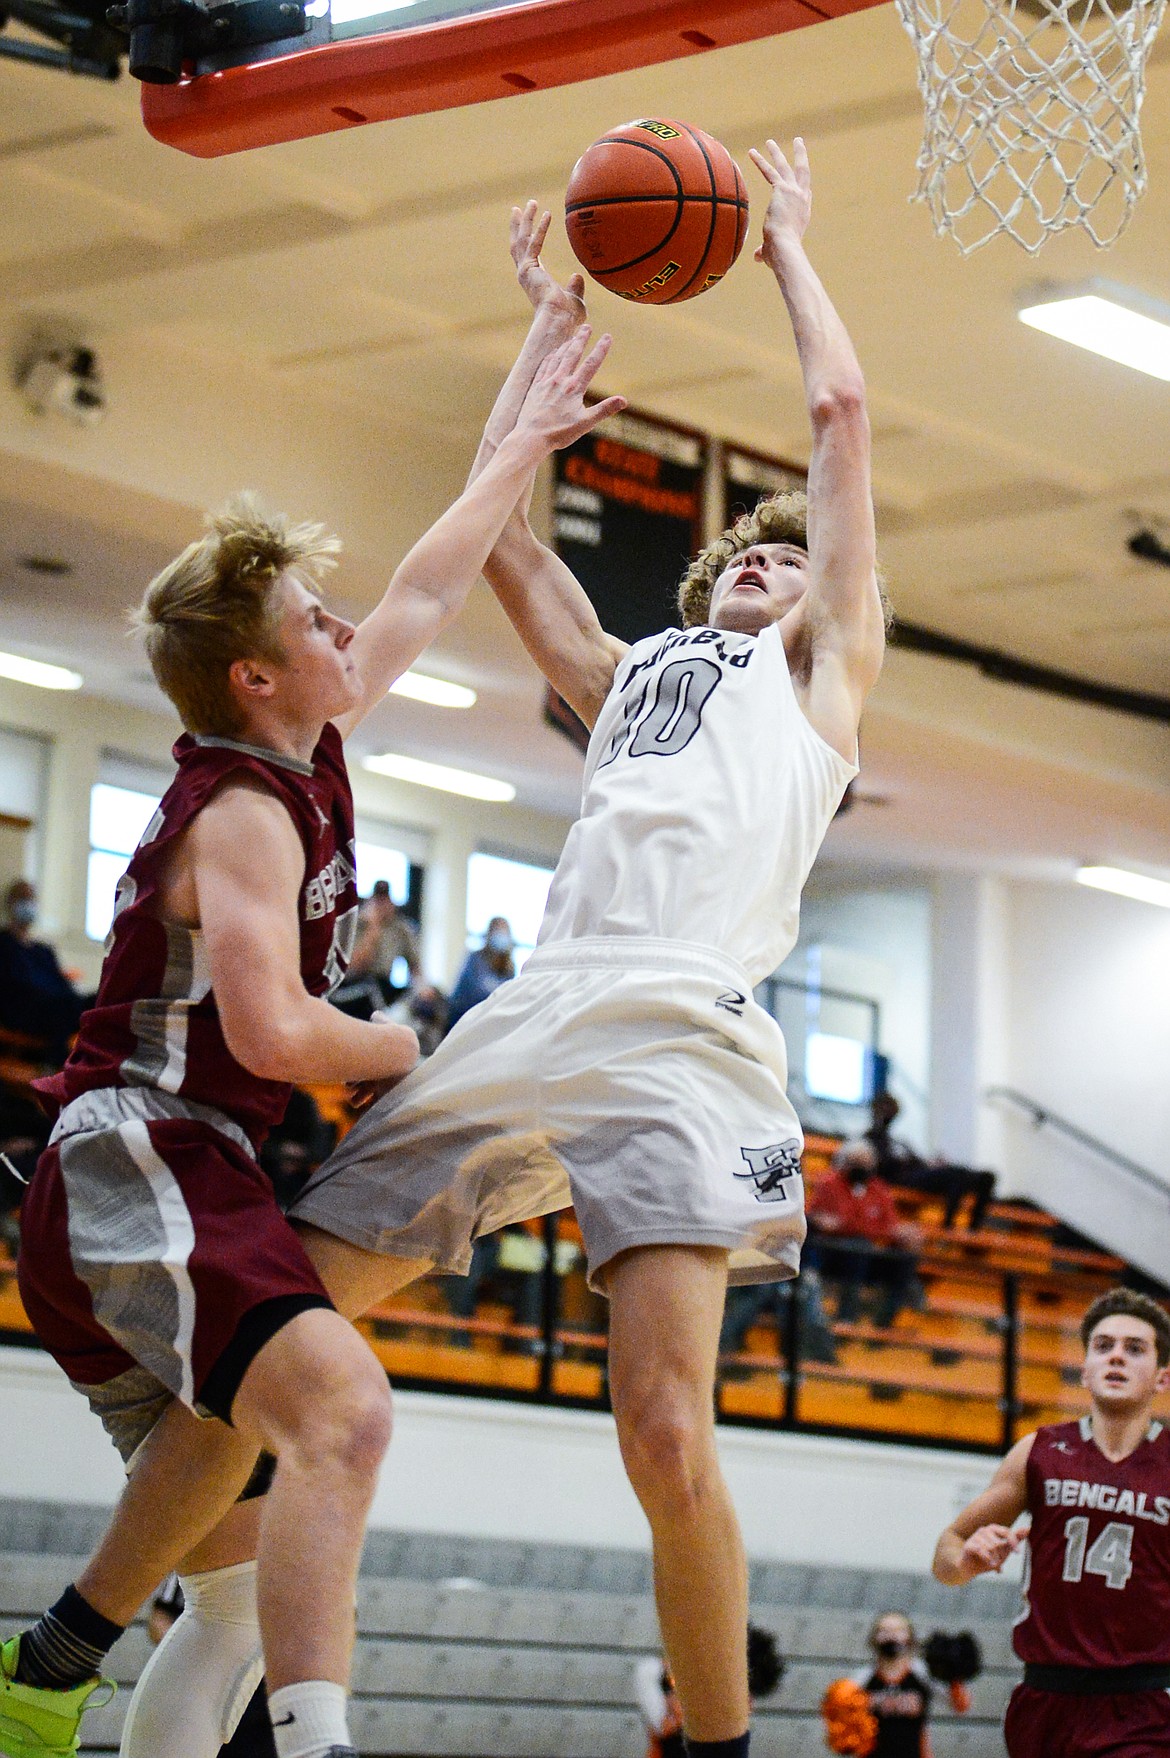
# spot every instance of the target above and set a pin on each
(219, 601)
(778, 518)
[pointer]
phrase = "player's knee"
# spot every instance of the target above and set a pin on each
(345, 1423)
(361, 1417)
(667, 1454)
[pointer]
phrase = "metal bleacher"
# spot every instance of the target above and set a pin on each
(473, 1648)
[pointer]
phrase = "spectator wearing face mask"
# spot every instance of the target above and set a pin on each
(483, 971)
(899, 1689)
(36, 997)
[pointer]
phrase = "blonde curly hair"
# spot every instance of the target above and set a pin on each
(219, 601)
(778, 518)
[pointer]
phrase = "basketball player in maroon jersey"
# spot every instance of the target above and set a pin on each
(1094, 1632)
(155, 1264)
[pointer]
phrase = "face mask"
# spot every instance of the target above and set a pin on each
(24, 912)
(499, 941)
(890, 1649)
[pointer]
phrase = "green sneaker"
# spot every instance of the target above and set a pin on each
(38, 1723)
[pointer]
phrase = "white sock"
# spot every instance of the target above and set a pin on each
(308, 1720)
(198, 1682)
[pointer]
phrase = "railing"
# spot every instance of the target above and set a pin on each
(988, 1348)
(1042, 1117)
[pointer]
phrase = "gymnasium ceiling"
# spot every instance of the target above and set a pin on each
(328, 321)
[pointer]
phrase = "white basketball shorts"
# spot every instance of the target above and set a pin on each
(636, 1078)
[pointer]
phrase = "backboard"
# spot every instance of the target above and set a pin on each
(350, 66)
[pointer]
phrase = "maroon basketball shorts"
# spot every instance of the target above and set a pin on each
(1051, 1724)
(154, 1261)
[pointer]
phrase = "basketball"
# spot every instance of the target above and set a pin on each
(656, 211)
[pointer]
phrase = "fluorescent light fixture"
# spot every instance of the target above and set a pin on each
(421, 687)
(1113, 321)
(34, 671)
(449, 781)
(1126, 884)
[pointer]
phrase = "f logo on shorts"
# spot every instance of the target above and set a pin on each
(769, 1167)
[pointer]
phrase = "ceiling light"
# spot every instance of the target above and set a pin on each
(421, 687)
(1107, 319)
(1126, 884)
(450, 781)
(33, 671)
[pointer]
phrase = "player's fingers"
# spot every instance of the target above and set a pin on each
(575, 286)
(602, 411)
(588, 367)
(776, 154)
(763, 165)
(539, 234)
(573, 350)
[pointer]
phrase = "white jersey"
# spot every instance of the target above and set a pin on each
(707, 794)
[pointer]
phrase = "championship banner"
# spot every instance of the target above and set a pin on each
(627, 518)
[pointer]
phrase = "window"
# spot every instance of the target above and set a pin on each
(375, 862)
(516, 890)
(117, 818)
(837, 1068)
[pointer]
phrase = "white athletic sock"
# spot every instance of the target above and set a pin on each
(198, 1682)
(308, 1720)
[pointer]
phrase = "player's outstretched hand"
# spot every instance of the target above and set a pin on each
(527, 234)
(790, 204)
(989, 1548)
(555, 407)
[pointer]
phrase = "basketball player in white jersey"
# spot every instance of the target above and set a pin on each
(628, 1064)
(629, 1055)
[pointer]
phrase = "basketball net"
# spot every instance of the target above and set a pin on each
(1032, 111)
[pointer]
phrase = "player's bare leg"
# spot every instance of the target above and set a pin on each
(666, 1308)
(165, 1719)
(357, 1279)
(185, 1480)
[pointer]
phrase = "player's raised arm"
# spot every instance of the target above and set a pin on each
(980, 1540)
(431, 583)
(541, 596)
(843, 605)
(557, 311)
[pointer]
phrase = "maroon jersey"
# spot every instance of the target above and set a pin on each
(1097, 1586)
(155, 1022)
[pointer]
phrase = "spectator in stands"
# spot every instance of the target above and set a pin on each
(752, 1300)
(36, 997)
(899, 1164)
(512, 1263)
(857, 1238)
(424, 1009)
(384, 963)
(483, 971)
(295, 1147)
(659, 1706)
(899, 1689)
(24, 1134)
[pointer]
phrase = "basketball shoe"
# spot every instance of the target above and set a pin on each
(37, 1723)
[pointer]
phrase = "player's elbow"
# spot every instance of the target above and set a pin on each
(945, 1567)
(839, 404)
(268, 1047)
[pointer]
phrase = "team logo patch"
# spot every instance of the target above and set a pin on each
(769, 1168)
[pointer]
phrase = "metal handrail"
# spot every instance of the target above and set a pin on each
(1044, 1118)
